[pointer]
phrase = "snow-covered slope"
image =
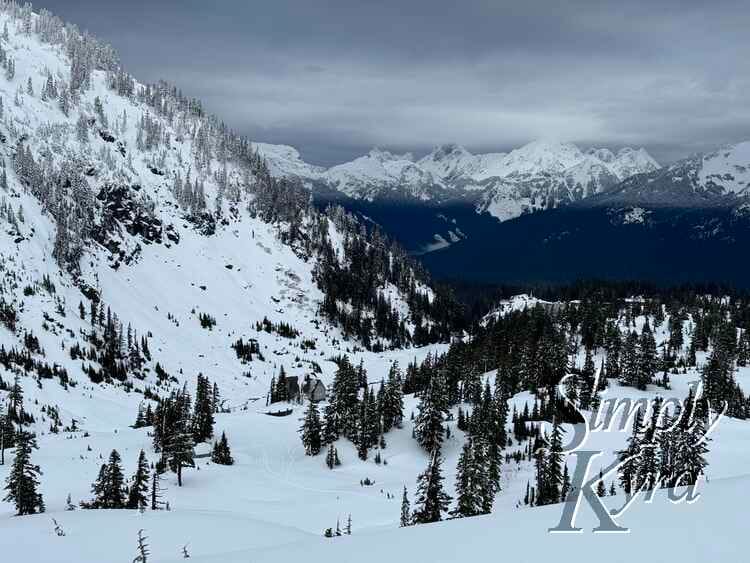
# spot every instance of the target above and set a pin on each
(130, 219)
(542, 175)
(274, 502)
(383, 175)
(284, 160)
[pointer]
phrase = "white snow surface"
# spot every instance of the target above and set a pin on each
(728, 169)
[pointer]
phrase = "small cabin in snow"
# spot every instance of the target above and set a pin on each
(314, 389)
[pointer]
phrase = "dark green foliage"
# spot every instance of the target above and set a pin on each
(311, 430)
(23, 480)
(139, 484)
(109, 488)
(431, 501)
(203, 415)
(221, 453)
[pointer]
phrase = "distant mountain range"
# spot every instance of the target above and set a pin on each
(550, 212)
(539, 175)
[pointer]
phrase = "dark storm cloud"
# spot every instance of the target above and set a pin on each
(335, 77)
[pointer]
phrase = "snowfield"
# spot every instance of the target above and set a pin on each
(275, 502)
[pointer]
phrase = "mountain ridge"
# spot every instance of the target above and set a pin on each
(531, 177)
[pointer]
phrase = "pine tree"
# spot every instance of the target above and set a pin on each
(555, 461)
(203, 416)
(600, 488)
(109, 487)
(565, 488)
(23, 480)
(630, 457)
(311, 431)
(332, 457)
(432, 409)
(178, 448)
(540, 466)
(6, 432)
(221, 453)
(156, 503)
(484, 485)
(690, 447)
(138, 492)
(468, 497)
(588, 374)
(393, 403)
(629, 367)
(648, 466)
(282, 390)
(647, 359)
(143, 551)
(431, 500)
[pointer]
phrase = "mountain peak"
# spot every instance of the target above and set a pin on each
(446, 151)
(384, 155)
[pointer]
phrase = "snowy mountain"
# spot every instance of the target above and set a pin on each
(719, 178)
(160, 274)
(383, 175)
(544, 175)
(536, 176)
(137, 230)
(650, 226)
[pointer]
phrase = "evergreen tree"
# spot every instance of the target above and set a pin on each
(647, 359)
(282, 390)
(690, 447)
(629, 367)
(392, 403)
(221, 454)
(156, 502)
(588, 374)
(428, 428)
(555, 462)
(178, 449)
(468, 497)
(138, 492)
(203, 416)
(311, 431)
(600, 488)
(431, 500)
(23, 480)
(109, 487)
(332, 457)
(630, 457)
(565, 488)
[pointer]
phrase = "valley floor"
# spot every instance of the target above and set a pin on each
(275, 502)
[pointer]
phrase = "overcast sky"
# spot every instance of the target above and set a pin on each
(334, 78)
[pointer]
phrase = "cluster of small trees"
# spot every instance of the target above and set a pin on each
(118, 349)
(552, 481)
(246, 350)
(719, 384)
(363, 420)
(178, 425)
(111, 491)
(665, 450)
(285, 330)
